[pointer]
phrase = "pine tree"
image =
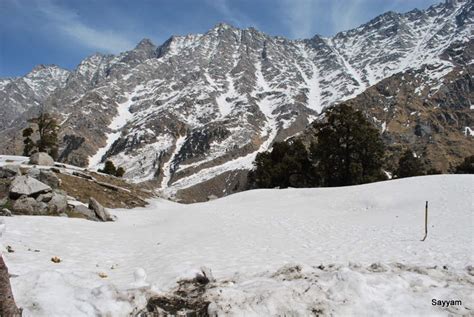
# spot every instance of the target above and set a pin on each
(109, 168)
(348, 150)
(120, 172)
(29, 145)
(409, 165)
(286, 165)
(466, 167)
(46, 134)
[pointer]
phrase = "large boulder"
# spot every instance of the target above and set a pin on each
(33, 172)
(41, 158)
(45, 176)
(100, 211)
(9, 170)
(86, 212)
(28, 186)
(29, 206)
(57, 203)
(46, 197)
(5, 212)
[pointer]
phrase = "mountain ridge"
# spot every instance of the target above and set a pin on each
(199, 107)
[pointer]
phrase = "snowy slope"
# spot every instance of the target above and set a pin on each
(248, 238)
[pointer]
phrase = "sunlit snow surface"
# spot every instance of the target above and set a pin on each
(247, 239)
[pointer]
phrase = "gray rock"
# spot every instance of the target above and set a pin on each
(29, 206)
(100, 211)
(88, 213)
(45, 197)
(41, 209)
(60, 192)
(25, 205)
(45, 176)
(41, 158)
(28, 186)
(63, 215)
(8, 171)
(5, 212)
(34, 172)
(4, 201)
(49, 178)
(58, 203)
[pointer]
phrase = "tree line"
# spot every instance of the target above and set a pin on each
(348, 150)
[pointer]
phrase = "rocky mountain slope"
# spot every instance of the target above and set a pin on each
(190, 115)
(432, 116)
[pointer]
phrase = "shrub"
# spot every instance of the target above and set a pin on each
(466, 167)
(409, 165)
(120, 172)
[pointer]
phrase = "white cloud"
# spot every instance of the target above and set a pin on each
(302, 17)
(231, 14)
(69, 24)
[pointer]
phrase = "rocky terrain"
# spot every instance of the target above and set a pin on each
(187, 117)
(431, 116)
(39, 186)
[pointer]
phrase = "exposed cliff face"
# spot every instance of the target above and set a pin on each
(185, 114)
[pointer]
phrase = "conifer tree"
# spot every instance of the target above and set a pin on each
(109, 168)
(45, 128)
(29, 145)
(466, 167)
(409, 165)
(286, 165)
(120, 172)
(348, 149)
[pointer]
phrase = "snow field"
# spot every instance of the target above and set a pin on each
(251, 241)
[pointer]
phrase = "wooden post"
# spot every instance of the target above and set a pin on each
(426, 221)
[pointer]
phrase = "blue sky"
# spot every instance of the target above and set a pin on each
(65, 32)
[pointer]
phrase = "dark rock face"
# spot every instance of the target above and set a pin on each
(184, 113)
(72, 143)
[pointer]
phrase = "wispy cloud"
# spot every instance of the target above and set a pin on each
(69, 24)
(231, 14)
(305, 18)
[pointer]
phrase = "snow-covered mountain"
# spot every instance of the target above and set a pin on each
(191, 114)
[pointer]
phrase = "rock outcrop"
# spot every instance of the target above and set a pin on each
(45, 176)
(29, 206)
(9, 170)
(8, 306)
(27, 186)
(100, 211)
(41, 158)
